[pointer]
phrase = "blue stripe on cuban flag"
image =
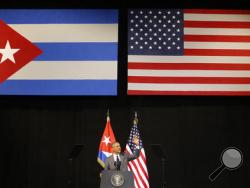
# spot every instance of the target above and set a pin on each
(102, 156)
(60, 16)
(79, 52)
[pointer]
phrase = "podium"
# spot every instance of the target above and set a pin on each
(113, 179)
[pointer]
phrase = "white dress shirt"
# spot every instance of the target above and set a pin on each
(115, 157)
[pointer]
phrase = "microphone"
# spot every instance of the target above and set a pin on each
(117, 164)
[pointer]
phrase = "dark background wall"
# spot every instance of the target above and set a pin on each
(39, 132)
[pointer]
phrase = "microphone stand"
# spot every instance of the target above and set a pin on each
(161, 154)
(163, 181)
(73, 155)
(115, 164)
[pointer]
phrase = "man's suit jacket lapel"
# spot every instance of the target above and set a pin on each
(112, 160)
(121, 157)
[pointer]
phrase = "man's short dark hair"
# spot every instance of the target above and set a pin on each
(114, 143)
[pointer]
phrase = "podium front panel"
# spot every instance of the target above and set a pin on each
(108, 179)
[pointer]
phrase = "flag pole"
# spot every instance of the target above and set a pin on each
(135, 119)
(108, 117)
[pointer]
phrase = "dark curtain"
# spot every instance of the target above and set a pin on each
(39, 133)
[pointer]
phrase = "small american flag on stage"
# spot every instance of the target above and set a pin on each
(188, 52)
(139, 165)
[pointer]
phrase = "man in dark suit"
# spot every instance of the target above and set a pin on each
(118, 160)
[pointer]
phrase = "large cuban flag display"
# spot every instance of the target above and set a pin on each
(72, 51)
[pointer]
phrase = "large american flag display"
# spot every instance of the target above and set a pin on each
(139, 165)
(188, 52)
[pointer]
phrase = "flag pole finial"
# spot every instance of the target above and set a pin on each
(135, 119)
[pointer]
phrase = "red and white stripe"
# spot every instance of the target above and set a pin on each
(139, 169)
(216, 58)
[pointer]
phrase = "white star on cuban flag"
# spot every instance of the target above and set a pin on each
(8, 53)
(106, 140)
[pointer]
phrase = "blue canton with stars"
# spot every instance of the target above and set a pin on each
(155, 32)
(134, 132)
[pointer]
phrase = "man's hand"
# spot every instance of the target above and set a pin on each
(136, 140)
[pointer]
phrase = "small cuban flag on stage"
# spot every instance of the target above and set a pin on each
(105, 148)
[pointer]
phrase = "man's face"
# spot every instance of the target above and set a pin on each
(116, 148)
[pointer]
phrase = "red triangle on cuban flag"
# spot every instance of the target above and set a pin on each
(15, 51)
(108, 138)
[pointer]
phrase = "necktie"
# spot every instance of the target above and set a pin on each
(118, 163)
